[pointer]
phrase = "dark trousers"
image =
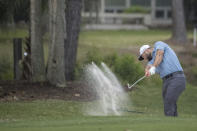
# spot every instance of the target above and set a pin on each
(172, 88)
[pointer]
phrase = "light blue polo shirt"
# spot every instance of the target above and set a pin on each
(170, 62)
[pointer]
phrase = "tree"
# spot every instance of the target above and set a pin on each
(190, 12)
(57, 30)
(179, 29)
(73, 16)
(37, 53)
(13, 11)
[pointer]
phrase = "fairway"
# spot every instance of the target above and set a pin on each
(110, 123)
(141, 114)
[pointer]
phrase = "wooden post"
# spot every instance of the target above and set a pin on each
(17, 44)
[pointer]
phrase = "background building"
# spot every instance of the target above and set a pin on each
(128, 14)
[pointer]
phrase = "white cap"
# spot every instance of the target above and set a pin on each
(142, 49)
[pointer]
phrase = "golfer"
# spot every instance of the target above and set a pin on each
(163, 61)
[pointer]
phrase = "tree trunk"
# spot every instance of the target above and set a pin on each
(57, 24)
(73, 16)
(37, 53)
(179, 30)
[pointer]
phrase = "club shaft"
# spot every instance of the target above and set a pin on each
(138, 81)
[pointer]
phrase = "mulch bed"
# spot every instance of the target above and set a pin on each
(28, 91)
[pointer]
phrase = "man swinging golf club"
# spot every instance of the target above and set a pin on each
(163, 60)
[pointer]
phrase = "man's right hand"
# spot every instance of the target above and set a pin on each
(149, 70)
(147, 73)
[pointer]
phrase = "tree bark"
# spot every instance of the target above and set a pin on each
(37, 53)
(73, 16)
(57, 29)
(179, 29)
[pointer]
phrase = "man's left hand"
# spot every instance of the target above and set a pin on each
(152, 70)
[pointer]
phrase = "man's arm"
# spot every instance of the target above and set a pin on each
(158, 58)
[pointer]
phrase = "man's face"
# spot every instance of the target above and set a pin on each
(147, 55)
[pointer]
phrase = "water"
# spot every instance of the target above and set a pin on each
(111, 96)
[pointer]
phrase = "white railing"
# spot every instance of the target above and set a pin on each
(117, 18)
(115, 15)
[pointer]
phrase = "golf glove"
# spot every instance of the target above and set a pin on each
(152, 70)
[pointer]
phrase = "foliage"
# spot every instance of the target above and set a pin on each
(10, 9)
(194, 70)
(125, 66)
(127, 69)
(17, 10)
(5, 69)
(94, 55)
(192, 74)
(78, 71)
(111, 59)
(137, 9)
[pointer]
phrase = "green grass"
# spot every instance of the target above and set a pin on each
(9, 33)
(122, 38)
(69, 115)
(117, 41)
(126, 123)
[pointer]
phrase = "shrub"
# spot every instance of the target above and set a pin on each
(110, 59)
(137, 9)
(192, 74)
(194, 70)
(78, 71)
(126, 68)
(94, 55)
(6, 71)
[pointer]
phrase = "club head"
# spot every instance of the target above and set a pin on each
(128, 86)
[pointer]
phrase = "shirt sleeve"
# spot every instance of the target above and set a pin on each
(160, 45)
(150, 62)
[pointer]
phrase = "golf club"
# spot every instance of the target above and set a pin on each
(135, 82)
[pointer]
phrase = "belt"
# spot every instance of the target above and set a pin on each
(172, 74)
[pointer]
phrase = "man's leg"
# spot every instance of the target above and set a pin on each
(171, 91)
